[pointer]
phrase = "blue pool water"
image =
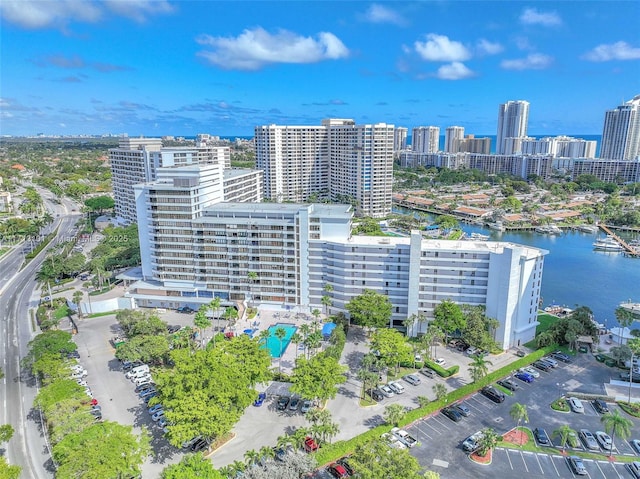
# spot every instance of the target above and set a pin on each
(276, 348)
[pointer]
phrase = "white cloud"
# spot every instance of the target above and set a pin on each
(438, 48)
(43, 14)
(381, 14)
(613, 51)
(488, 48)
(533, 61)
(454, 71)
(531, 16)
(253, 49)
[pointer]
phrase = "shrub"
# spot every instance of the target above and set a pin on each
(632, 409)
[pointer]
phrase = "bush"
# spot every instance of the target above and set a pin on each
(632, 409)
(444, 373)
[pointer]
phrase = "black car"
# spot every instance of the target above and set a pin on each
(199, 445)
(185, 309)
(462, 409)
(375, 394)
(427, 372)
(509, 384)
(541, 436)
(283, 402)
(541, 366)
(173, 328)
(600, 406)
(344, 462)
(145, 387)
(493, 394)
(452, 414)
(559, 355)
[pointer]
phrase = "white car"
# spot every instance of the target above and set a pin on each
(530, 370)
(143, 380)
(393, 441)
(605, 440)
(440, 362)
(387, 391)
(576, 405)
(396, 387)
(88, 392)
(79, 374)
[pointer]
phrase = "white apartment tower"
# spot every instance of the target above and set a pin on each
(337, 160)
(426, 139)
(453, 135)
(513, 118)
(621, 132)
(400, 138)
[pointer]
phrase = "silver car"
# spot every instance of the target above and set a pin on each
(588, 440)
(605, 440)
(386, 390)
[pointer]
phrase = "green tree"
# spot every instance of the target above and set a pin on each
(192, 466)
(374, 460)
(423, 401)
(8, 471)
(518, 413)
(99, 203)
(50, 367)
(214, 307)
(230, 314)
(280, 333)
(634, 347)
(69, 416)
(296, 339)
(616, 424)
(253, 277)
(392, 347)
(77, 297)
(6, 432)
(448, 317)
(146, 348)
(393, 414)
(447, 222)
(487, 441)
(106, 449)
(624, 317)
(317, 377)
(51, 342)
(440, 390)
(202, 322)
(479, 367)
(563, 433)
(66, 389)
(370, 309)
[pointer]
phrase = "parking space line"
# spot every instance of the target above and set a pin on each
(509, 458)
(553, 463)
(432, 427)
(441, 423)
(539, 465)
(420, 431)
(523, 461)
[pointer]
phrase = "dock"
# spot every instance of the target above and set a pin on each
(630, 251)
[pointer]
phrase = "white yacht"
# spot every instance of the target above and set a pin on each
(607, 244)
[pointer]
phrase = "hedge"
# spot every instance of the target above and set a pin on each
(331, 452)
(442, 372)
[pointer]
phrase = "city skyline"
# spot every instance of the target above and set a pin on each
(180, 68)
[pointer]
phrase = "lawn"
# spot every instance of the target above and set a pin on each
(545, 320)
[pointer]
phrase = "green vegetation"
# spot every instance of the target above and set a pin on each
(566, 330)
(119, 249)
(374, 459)
(368, 227)
(192, 466)
(370, 310)
(560, 405)
(633, 409)
(148, 339)
(318, 377)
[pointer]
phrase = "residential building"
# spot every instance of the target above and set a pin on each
(559, 147)
(513, 119)
(471, 144)
(621, 132)
(243, 185)
(453, 134)
(610, 171)
(337, 160)
(400, 138)
(5, 200)
(425, 139)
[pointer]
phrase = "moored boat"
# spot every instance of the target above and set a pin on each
(607, 244)
(587, 228)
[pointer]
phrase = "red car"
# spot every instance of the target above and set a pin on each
(338, 471)
(310, 445)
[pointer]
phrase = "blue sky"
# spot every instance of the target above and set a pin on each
(165, 67)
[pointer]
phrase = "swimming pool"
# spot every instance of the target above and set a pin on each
(276, 348)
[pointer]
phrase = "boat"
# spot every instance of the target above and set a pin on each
(607, 244)
(479, 237)
(498, 226)
(548, 230)
(633, 308)
(587, 228)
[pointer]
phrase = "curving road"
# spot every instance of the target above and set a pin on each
(18, 294)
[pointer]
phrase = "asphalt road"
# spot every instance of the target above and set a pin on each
(28, 447)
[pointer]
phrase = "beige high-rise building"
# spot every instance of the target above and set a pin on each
(453, 135)
(513, 121)
(425, 139)
(621, 132)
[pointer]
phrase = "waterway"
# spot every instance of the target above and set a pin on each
(575, 274)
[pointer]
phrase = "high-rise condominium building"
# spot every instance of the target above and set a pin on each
(338, 160)
(194, 249)
(426, 139)
(621, 132)
(400, 138)
(453, 134)
(471, 144)
(513, 118)
(138, 160)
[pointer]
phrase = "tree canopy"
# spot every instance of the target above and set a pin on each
(99, 203)
(317, 377)
(375, 459)
(370, 309)
(52, 342)
(448, 317)
(391, 346)
(192, 466)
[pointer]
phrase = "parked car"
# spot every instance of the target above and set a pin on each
(406, 438)
(551, 361)
(144, 387)
(522, 376)
(541, 365)
(82, 382)
(559, 355)
(338, 471)
(577, 466)
(634, 468)
(310, 445)
(386, 390)
(588, 440)
(185, 310)
(440, 362)
(375, 394)
(600, 406)
(396, 387)
(393, 441)
(188, 444)
(576, 405)
(147, 392)
(344, 462)
(509, 384)
(493, 394)
(427, 372)
(471, 443)
(605, 440)
(146, 379)
(530, 370)
(157, 415)
(306, 406)
(541, 436)
(625, 377)
(452, 414)
(283, 403)
(412, 379)
(173, 328)
(471, 351)
(635, 443)
(155, 408)
(199, 445)
(294, 404)
(462, 409)
(260, 400)
(79, 374)
(520, 353)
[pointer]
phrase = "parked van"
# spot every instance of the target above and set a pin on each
(138, 371)
(551, 361)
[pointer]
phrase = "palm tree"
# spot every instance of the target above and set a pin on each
(408, 324)
(264, 337)
(253, 276)
(237, 467)
(230, 314)
(266, 452)
(280, 333)
(214, 306)
(519, 413)
(616, 424)
(488, 441)
(563, 432)
(624, 317)
(296, 339)
(77, 296)
(440, 390)
(251, 457)
(479, 367)
(201, 321)
(313, 341)
(393, 413)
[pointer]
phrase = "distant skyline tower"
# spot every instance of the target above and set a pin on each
(453, 135)
(513, 118)
(400, 138)
(621, 132)
(425, 139)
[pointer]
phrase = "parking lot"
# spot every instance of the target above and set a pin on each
(440, 438)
